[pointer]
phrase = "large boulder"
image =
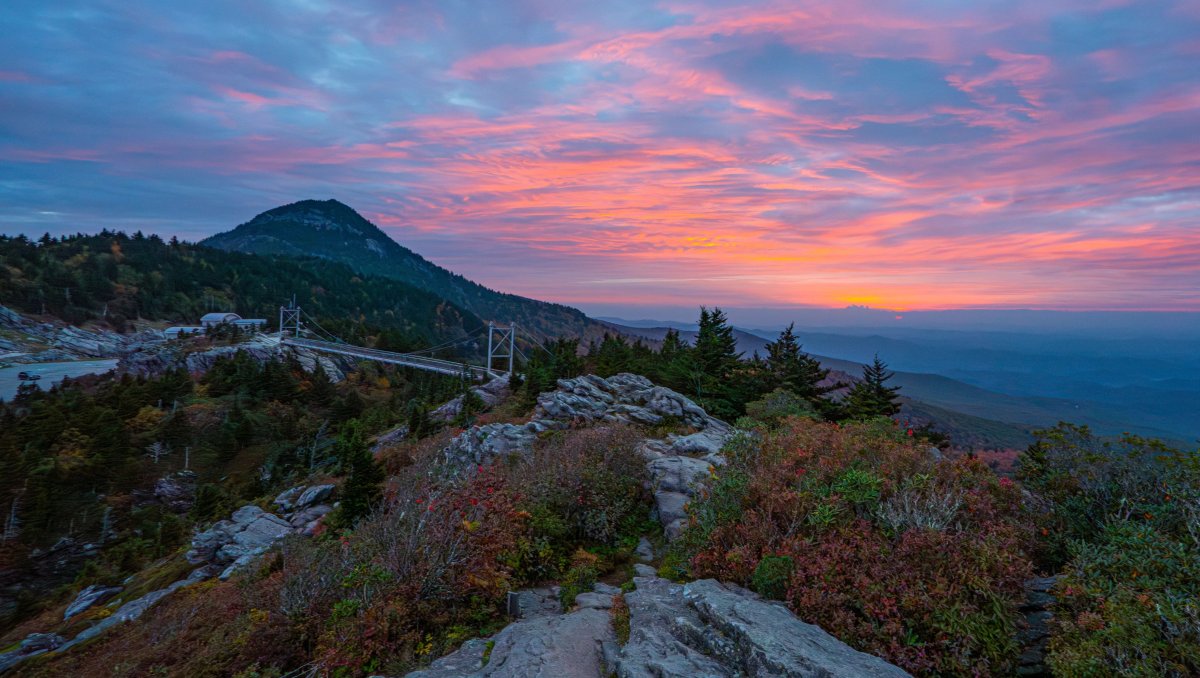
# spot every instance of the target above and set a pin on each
(89, 597)
(707, 629)
(627, 398)
(314, 495)
(234, 542)
(481, 444)
(674, 481)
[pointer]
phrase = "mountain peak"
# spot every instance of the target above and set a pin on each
(322, 215)
(329, 229)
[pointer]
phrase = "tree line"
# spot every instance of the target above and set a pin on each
(717, 376)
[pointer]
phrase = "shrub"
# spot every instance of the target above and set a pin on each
(778, 405)
(1119, 518)
(393, 592)
(579, 579)
(580, 489)
(860, 530)
(771, 576)
(1128, 605)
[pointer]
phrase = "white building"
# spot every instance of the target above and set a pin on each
(214, 319)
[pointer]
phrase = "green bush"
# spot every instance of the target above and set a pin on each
(780, 404)
(1129, 604)
(771, 576)
(579, 579)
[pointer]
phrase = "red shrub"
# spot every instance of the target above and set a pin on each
(916, 560)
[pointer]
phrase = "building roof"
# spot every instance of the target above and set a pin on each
(219, 317)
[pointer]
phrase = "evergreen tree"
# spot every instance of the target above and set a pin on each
(672, 345)
(716, 348)
(790, 368)
(361, 492)
(710, 367)
(613, 356)
(419, 424)
(872, 397)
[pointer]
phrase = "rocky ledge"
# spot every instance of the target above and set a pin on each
(675, 464)
(230, 544)
(703, 629)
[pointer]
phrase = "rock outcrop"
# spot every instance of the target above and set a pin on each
(699, 630)
(90, 596)
(33, 645)
(550, 646)
(707, 629)
(490, 394)
(143, 353)
(1034, 637)
(675, 464)
(303, 506)
(155, 357)
(177, 491)
(232, 543)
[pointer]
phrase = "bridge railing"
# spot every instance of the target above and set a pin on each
(420, 362)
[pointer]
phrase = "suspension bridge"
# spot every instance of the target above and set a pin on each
(297, 328)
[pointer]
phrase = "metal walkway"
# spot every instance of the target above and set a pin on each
(501, 345)
(406, 359)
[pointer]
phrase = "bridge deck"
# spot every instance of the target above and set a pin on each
(419, 362)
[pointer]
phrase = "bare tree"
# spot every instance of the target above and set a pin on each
(157, 450)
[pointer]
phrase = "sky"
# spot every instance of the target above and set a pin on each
(906, 155)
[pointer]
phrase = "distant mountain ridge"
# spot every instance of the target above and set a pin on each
(329, 229)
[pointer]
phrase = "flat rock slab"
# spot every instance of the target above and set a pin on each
(558, 646)
(706, 629)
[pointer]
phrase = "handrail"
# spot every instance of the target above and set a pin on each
(420, 362)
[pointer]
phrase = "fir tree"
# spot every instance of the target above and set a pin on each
(710, 367)
(716, 348)
(790, 368)
(361, 491)
(872, 397)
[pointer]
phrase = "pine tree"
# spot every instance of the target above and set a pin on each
(361, 491)
(872, 397)
(790, 368)
(716, 348)
(711, 365)
(672, 345)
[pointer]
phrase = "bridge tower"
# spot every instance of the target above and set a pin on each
(501, 345)
(289, 320)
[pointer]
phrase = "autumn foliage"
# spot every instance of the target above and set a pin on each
(860, 530)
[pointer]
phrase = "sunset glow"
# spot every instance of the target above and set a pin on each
(1037, 154)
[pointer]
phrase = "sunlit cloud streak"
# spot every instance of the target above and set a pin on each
(902, 154)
